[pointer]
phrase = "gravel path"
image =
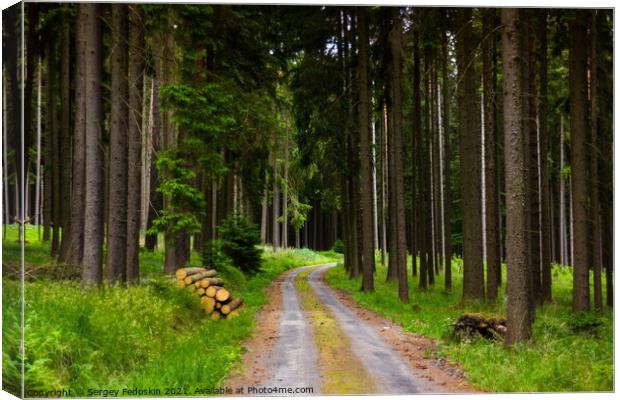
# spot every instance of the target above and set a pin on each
(393, 374)
(294, 360)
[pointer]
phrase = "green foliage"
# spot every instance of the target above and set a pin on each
(584, 322)
(186, 201)
(212, 255)
(239, 241)
(147, 335)
(338, 246)
(569, 352)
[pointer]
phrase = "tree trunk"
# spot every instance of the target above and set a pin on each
(65, 133)
(416, 190)
(469, 143)
(400, 257)
(155, 197)
(38, 192)
(5, 166)
(437, 215)
(593, 150)
(375, 219)
(166, 73)
(90, 14)
(367, 249)
(447, 157)
(563, 240)
(427, 168)
(10, 18)
(579, 178)
(117, 201)
(276, 204)
(48, 157)
(53, 144)
(136, 79)
(264, 212)
(545, 217)
(605, 142)
(285, 192)
(75, 236)
(32, 10)
(384, 185)
(533, 171)
(518, 292)
(490, 143)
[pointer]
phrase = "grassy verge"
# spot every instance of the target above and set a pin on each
(569, 353)
(148, 336)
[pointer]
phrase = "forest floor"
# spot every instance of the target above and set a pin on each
(150, 336)
(312, 336)
(568, 352)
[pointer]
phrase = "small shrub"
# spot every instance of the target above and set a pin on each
(338, 246)
(584, 322)
(212, 254)
(239, 241)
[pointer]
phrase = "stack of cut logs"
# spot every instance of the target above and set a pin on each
(214, 298)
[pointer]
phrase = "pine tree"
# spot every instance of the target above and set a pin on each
(90, 14)
(518, 291)
(470, 148)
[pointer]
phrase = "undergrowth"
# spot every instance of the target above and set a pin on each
(568, 352)
(150, 335)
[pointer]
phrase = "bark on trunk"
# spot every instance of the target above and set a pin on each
(447, 157)
(75, 238)
(155, 197)
(368, 258)
(65, 133)
(469, 143)
(593, 150)
(545, 218)
(490, 143)
(400, 257)
(136, 79)
(518, 291)
(117, 201)
(276, 205)
(579, 178)
(93, 203)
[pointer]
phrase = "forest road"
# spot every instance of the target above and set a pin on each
(283, 357)
(391, 372)
(294, 360)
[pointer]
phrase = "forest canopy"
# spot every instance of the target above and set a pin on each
(468, 138)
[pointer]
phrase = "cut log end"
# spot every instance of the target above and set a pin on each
(212, 290)
(222, 295)
(208, 303)
(232, 305)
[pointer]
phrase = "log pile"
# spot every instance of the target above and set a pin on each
(214, 298)
(469, 326)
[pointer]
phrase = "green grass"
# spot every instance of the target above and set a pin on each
(564, 356)
(150, 335)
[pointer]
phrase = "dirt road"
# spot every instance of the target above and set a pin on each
(311, 336)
